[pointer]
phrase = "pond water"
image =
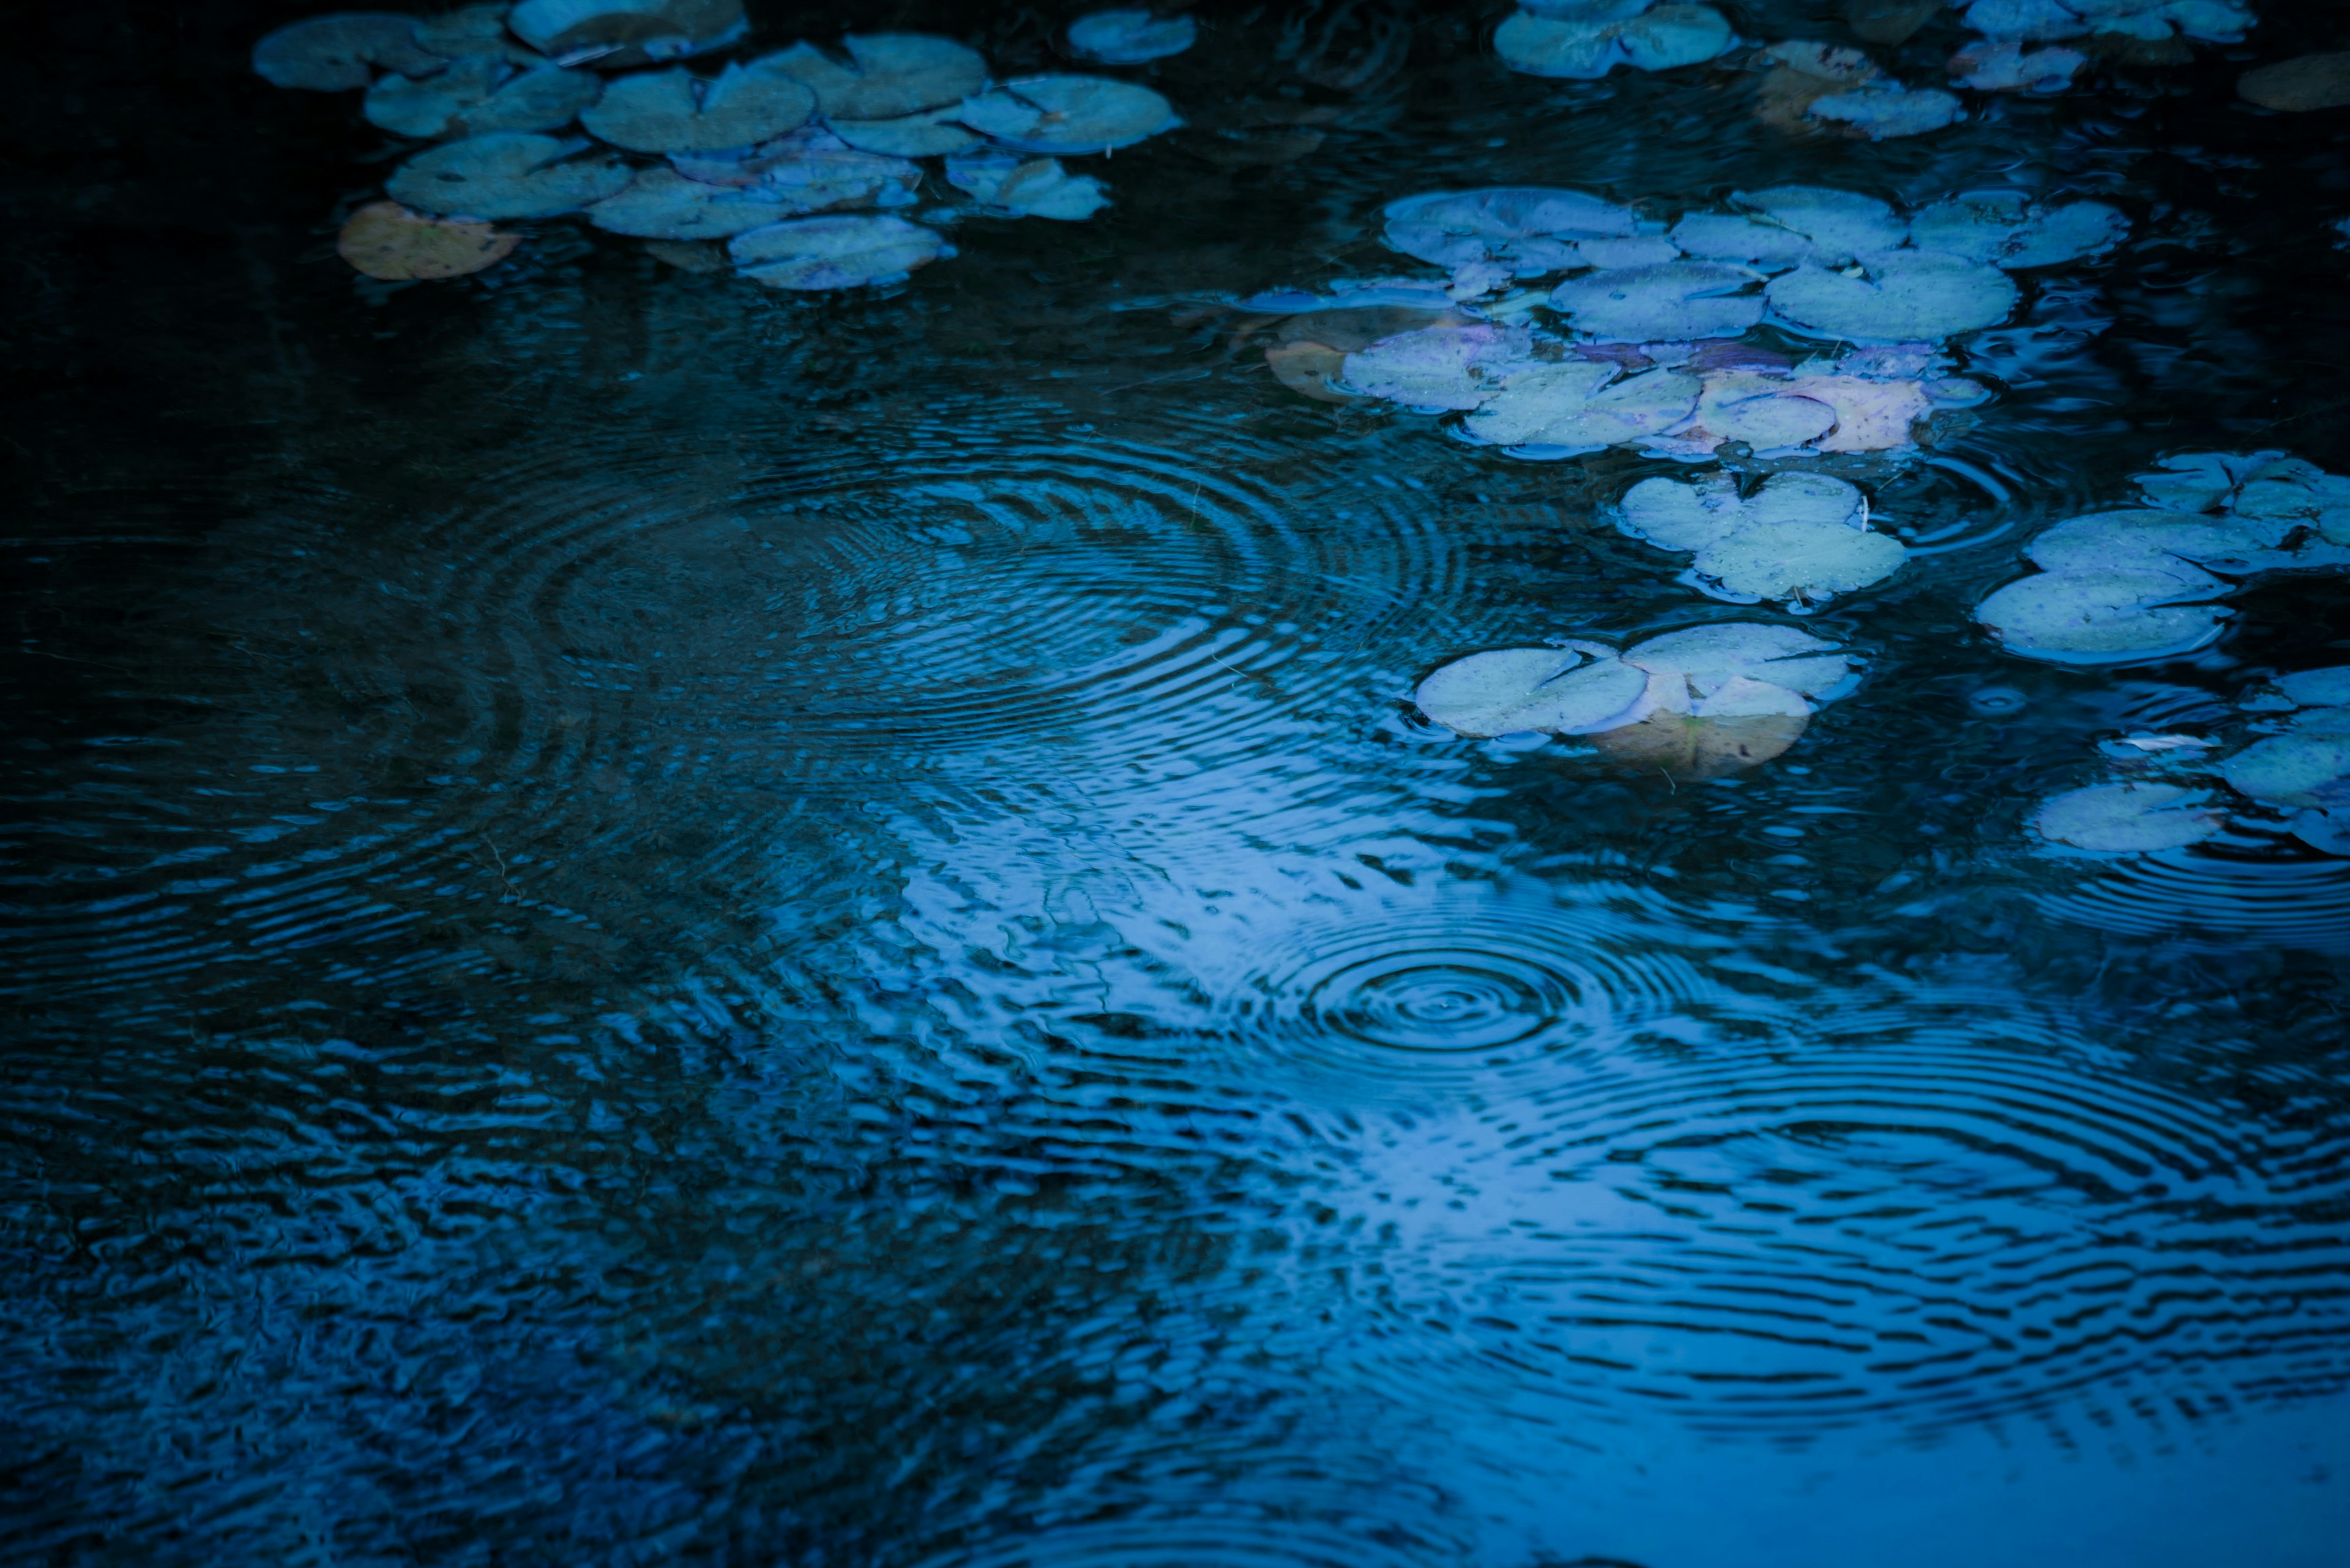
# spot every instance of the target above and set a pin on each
(652, 919)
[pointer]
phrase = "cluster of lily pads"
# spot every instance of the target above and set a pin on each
(2299, 766)
(1640, 347)
(2138, 582)
(1701, 700)
(2022, 50)
(1584, 39)
(791, 158)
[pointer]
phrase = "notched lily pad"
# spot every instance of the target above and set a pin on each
(934, 133)
(1889, 110)
(889, 74)
(836, 251)
(810, 171)
(677, 111)
(2009, 67)
(1669, 301)
(385, 240)
(1028, 187)
(2305, 767)
(1440, 367)
(1588, 45)
(1528, 229)
(1800, 538)
(1572, 690)
(481, 93)
(1565, 409)
(1130, 37)
(662, 204)
(506, 174)
(337, 52)
(2006, 228)
(2098, 617)
(614, 34)
(1070, 114)
(2132, 818)
(1903, 297)
(1837, 224)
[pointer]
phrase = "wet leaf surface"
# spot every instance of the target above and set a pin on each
(385, 240)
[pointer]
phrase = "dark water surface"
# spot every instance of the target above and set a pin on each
(651, 920)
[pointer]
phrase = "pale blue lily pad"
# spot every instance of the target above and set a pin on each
(843, 250)
(1903, 297)
(934, 133)
(2328, 687)
(481, 93)
(1130, 37)
(2101, 617)
(1410, 293)
(1070, 114)
(677, 111)
(1530, 229)
(1669, 301)
(1557, 411)
(1577, 689)
(2152, 541)
(1712, 662)
(620, 33)
(2132, 818)
(1582, 47)
(340, 51)
(2199, 480)
(1027, 188)
(889, 76)
(2007, 230)
(506, 174)
(1754, 242)
(662, 204)
(1438, 368)
(1800, 538)
(1837, 225)
(2305, 767)
(1886, 110)
(810, 170)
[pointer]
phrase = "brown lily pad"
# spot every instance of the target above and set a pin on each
(1688, 746)
(2313, 81)
(386, 240)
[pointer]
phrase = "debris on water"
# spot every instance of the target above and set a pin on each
(836, 251)
(1130, 37)
(676, 111)
(2129, 818)
(481, 93)
(507, 174)
(385, 240)
(1027, 188)
(618, 34)
(1070, 114)
(337, 53)
(1586, 39)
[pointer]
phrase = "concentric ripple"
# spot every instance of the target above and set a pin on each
(2242, 887)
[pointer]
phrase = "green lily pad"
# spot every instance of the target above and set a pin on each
(1837, 225)
(1664, 37)
(1529, 229)
(1801, 537)
(1886, 110)
(2098, 617)
(1440, 367)
(934, 133)
(1028, 187)
(2305, 768)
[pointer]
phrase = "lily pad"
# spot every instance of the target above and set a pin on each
(2151, 541)
(1573, 690)
(1032, 188)
(2304, 767)
(506, 174)
(836, 251)
(1440, 367)
(1669, 301)
(1871, 415)
(1715, 667)
(1837, 225)
(2292, 492)
(1070, 114)
(2130, 818)
(1905, 296)
(474, 30)
(2007, 230)
(932, 133)
(889, 76)
(2098, 617)
(2299, 86)
(1530, 229)
(1889, 110)
(1801, 537)
(809, 169)
(1577, 406)
(621, 33)
(1580, 47)
(385, 240)
(1701, 745)
(1763, 411)
(337, 52)
(1129, 38)
(2198, 481)
(677, 111)
(2328, 687)
(481, 93)
(662, 204)
(2009, 67)
(1755, 242)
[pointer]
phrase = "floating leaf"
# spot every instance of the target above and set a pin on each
(662, 203)
(1905, 296)
(2005, 228)
(1311, 354)
(473, 31)
(1837, 225)
(478, 94)
(677, 111)
(2128, 818)
(620, 33)
(1889, 110)
(506, 174)
(1576, 47)
(2009, 67)
(1672, 301)
(1705, 662)
(2328, 687)
(1578, 406)
(890, 75)
(1763, 411)
(2095, 618)
(2304, 767)
(1801, 537)
(1701, 745)
(1531, 229)
(1440, 367)
(385, 240)
(1736, 237)
(1033, 188)
(1889, 21)
(2198, 481)
(2311, 82)
(1871, 415)
(2292, 491)
(1568, 691)
(929, 134)
(809, 169)
(2151, 541)
(1823, 62)
(335, 53)
(1070, 114)
(1129, 38)
(839, 252)
(691, 255)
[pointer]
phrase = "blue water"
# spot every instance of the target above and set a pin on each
(651, 921)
